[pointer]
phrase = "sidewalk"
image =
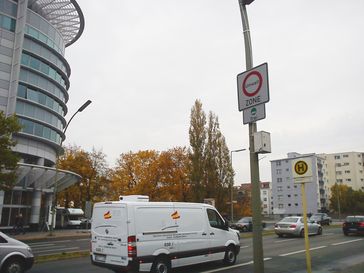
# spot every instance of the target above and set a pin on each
(57, 234)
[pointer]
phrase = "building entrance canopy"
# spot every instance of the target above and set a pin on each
(40, 177)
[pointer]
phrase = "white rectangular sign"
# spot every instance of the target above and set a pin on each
(302, 169)
(254, 113)
(253, 88)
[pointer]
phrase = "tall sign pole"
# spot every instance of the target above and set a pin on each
(254, 164)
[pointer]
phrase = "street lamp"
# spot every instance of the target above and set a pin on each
(232, 184)
(337, 190)
(54, 199)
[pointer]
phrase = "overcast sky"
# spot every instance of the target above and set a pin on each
(143, 63)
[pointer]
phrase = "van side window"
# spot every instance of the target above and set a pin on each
(2, 240)
(215, 219)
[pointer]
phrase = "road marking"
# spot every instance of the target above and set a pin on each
(282, 241)
(300, 251)
(59, 250)
(52, 242)
(87, 239)
(244, 247)
(347, 242)
(328, 234)
(232, 266)
(40, 244)
(45, 247)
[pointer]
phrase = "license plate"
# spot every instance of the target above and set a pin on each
(100, 258)
(352, 229)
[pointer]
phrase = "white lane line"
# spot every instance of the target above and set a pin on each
(58, 250)
(347, 242)
(328, 234)
(300, 251)
(244, 247)
(87, 239)
(282, 241)
(34, 248)
(232, 266)
(40, 244)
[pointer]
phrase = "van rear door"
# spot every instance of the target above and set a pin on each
(109, 234)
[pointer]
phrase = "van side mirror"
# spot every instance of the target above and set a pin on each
(226, 225)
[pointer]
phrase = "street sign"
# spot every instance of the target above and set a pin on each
(254, 113)
(253, 88)
(302, 169)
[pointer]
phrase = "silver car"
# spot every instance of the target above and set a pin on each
(15, 256)
(294, 226)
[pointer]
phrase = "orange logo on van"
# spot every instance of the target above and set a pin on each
(107, 215)
(175, 215)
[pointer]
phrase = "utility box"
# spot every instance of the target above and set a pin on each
(262, 142)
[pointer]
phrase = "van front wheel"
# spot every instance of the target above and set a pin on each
(161, 265)
(230, 256)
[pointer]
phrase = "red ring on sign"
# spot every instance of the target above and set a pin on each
(256, 73)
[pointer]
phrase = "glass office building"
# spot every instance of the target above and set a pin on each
(34, 83)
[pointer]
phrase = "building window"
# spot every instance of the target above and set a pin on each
(348, 180)
(288, 187)
(279, 179)
(279, 188)
(265, 199)
(289, 205)
(288, 195)
(287, 170)
(346, 164)
(345, 155)
(280, 206)
(278, 163)
(7, 23)
(347, 171)
(337, 157)
(279, 171)
(296, 204)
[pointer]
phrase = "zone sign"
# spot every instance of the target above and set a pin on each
(253, 88)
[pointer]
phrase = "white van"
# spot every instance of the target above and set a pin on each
(134, 233)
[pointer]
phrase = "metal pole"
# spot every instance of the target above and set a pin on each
(254, 165)
(307, 242)
(337, 191)
(232, 184)
(54, 198)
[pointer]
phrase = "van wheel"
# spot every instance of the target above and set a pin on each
(161, 265)
(14, 266)
(230, 256)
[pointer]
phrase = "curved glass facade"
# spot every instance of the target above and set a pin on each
(34, 82)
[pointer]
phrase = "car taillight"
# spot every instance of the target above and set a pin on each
(132, 249)
(292, 226)
(361, 224)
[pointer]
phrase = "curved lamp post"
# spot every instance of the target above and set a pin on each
(54, 199)
(232, 184)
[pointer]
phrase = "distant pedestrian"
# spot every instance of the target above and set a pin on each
(19, 224)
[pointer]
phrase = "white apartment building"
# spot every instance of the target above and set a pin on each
(345, 168)
(286, 195)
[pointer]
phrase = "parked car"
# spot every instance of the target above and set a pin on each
(321, 218)
(353, 224)
(245, 224)
(294, 226)
(15, 256)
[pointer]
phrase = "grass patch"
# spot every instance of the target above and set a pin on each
(61, 256)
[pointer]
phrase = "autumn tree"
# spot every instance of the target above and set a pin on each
(92, 167)
(211, 170)
(350, 201)
(162, 176)
(8, 159)
(197, 135)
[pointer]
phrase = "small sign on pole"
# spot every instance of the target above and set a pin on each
(254, 113)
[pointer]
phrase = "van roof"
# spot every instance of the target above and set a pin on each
(146, 204)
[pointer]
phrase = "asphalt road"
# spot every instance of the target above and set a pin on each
(48, 247)
(331, 252)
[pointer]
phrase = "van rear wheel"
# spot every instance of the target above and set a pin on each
(161, 265)
(230, 256)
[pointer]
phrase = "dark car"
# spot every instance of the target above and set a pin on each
(245, 224)
(321, 218)
(353, 224)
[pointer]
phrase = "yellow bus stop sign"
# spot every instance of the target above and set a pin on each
(302, 169)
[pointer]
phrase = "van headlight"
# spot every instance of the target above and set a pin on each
(29, 249)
